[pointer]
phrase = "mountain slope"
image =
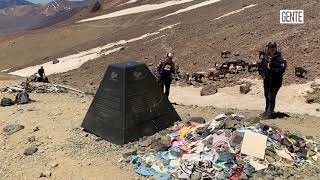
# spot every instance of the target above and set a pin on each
(197, 41)
(28, 17)
(10, 3)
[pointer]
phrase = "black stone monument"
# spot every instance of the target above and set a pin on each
(128, 105)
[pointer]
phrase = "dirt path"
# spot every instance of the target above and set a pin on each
(290, 98)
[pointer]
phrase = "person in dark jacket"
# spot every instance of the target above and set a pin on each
(165, 69)
(271, 68)
(41, 72)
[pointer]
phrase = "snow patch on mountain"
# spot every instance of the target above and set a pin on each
(137, 9)
(202, 4)
(77, 60)
(236, 11)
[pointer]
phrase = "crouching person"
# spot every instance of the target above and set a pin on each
(271, 68)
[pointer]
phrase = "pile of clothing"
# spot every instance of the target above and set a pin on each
(35, 88)
(231, 146)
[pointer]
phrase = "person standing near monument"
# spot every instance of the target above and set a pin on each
(271, 69)
(165, 69)
(41, 73)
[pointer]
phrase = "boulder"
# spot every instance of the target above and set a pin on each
(208, 90)
(245, 88)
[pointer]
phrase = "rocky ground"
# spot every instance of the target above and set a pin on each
(61, 150)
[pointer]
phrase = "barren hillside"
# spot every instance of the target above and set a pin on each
(205, 28)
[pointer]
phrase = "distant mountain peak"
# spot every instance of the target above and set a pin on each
(10, 3)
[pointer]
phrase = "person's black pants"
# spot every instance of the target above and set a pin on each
(270, 93)
(165, 83)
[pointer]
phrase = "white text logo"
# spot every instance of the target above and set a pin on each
(291, 17)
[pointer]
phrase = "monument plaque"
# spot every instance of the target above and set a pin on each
(128, 105)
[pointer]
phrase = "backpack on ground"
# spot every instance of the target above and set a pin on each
(6, 102)
(22, 98)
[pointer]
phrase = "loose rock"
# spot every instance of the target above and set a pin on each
(31, 139)
(208, 90)
(12, 128)
(244, 89)
(30, 151)
(46, 174)
(36, 129)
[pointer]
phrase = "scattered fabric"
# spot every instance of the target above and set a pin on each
(224, 148)
(142, 170)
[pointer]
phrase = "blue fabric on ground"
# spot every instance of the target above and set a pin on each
(142, 170)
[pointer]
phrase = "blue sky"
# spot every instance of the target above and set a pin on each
(40, 1)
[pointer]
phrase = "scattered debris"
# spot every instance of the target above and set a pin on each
(12, 128)
(224, 149)
(36, 88)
